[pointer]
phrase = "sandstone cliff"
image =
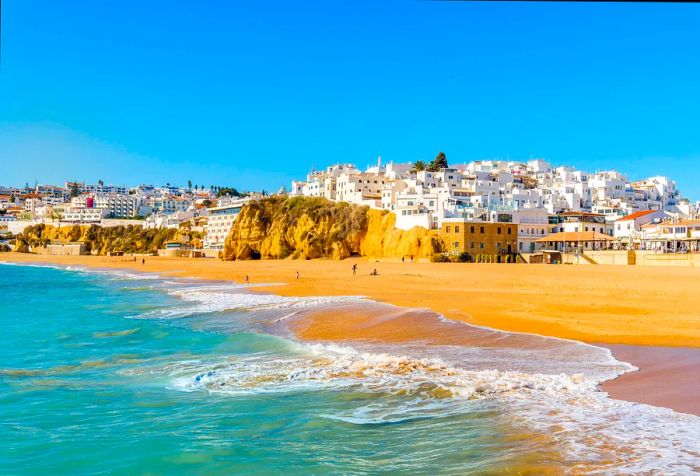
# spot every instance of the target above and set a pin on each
(307, 228)
(98, 240)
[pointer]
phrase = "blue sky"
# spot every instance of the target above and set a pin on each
(253, 94)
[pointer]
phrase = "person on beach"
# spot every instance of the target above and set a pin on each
(374, 272)
(354, 269)
(247, 281)
(403, 259)
(297, 274)
(143, 260)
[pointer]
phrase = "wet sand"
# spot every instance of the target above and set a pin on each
(667, 377)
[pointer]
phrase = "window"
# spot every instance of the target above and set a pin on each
(448, 229)
(456, 245)
(471, 245)
(481, 245)
(456, 229)
(471, 230)
(510, 232)
(498, 230)
(482, 232)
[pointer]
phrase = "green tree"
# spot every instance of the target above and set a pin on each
(418, 166)
(227, 191)
(189, 184)
(74, 190)
(13, 199)
(440, 162)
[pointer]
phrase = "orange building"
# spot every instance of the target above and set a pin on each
(479, 237)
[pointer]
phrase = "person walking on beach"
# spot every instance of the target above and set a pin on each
(297, 274)
(354, 269)
(403, 259)
(247, 281)
(143, 260)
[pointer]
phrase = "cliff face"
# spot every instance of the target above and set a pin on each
(307, 228)
(98, 240)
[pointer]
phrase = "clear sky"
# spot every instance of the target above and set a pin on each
(253, 94)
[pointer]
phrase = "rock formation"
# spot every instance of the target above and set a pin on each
(307, 228)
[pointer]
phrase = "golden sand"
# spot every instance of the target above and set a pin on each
(612, 304)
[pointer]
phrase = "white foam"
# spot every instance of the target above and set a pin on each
(227, 297)
(596, 433)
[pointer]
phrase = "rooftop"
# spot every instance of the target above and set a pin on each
(636, 215)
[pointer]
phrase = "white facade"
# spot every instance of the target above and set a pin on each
(83, 215)
(117, 206)
(220, 222)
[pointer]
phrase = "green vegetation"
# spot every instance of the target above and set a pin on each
(418, 166)
(463, 257)
(220, 192)
(74, 190)
(440, 162)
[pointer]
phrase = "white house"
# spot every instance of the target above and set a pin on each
(629, 226)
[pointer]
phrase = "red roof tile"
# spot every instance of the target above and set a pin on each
(636, 215)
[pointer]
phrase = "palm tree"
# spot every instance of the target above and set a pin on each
(189, 184)
(418, 166)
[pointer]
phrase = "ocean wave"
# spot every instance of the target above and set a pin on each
(224, 297)
(596, 433)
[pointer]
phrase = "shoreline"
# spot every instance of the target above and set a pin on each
(667, 377)
(649, 385)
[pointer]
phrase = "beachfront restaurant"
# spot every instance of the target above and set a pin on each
(570, 241)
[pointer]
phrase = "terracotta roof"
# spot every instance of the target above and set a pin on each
(570, 236)
(636, 215)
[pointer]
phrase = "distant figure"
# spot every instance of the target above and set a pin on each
(411, 258)
(403, 259)
(354, 269)
(247, 281)
(297, 274)
(374, 272)
(143, 260)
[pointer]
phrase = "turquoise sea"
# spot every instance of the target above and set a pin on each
(106, 372)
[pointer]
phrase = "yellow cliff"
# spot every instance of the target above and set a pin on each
(308, 228)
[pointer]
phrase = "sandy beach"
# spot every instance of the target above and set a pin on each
(633, 306)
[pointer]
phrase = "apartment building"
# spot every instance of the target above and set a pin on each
(479, 237)
(219, 223)
(116, 205)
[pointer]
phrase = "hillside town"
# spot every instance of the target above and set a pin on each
(489, 207)
(544, 206)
